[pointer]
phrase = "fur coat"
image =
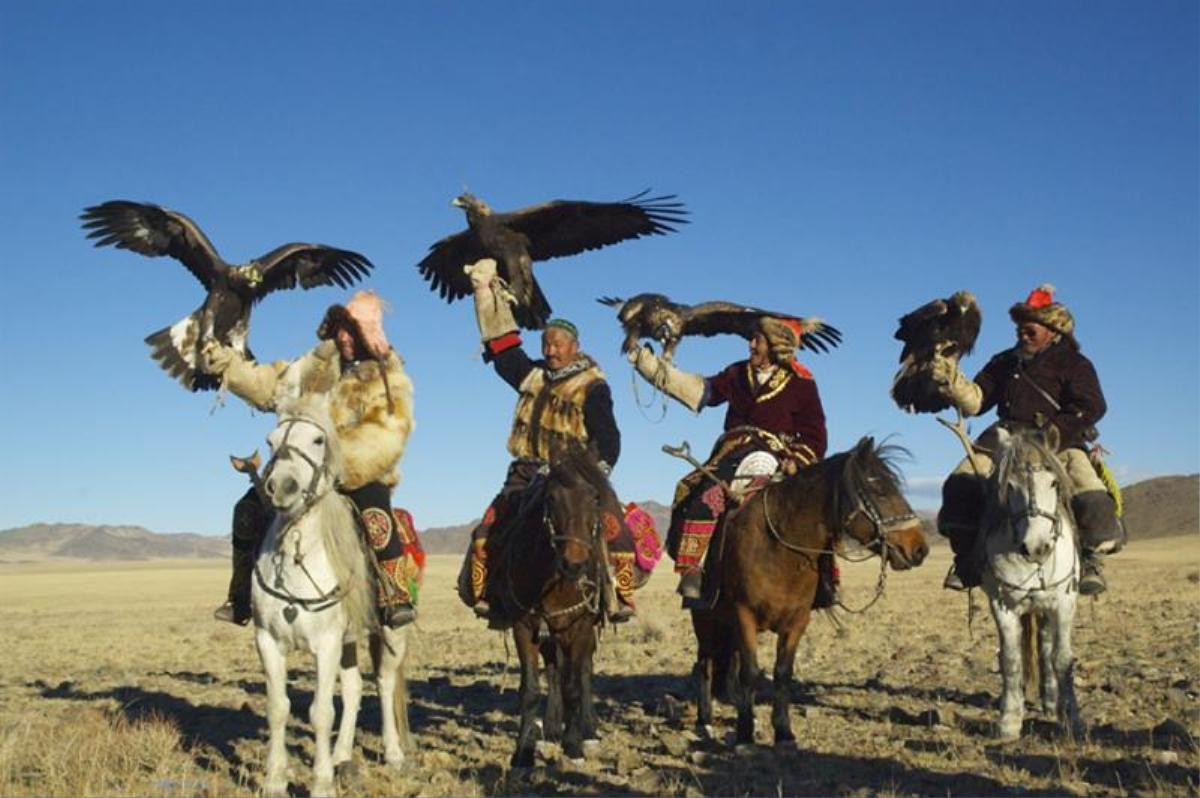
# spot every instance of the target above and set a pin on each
(372, 435)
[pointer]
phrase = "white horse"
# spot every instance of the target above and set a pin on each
(1032, 576)
(314, 591)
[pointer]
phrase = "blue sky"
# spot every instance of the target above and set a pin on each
(847, 160)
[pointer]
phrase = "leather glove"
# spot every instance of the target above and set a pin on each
(951, 384)
(493, 312)
(684, 387)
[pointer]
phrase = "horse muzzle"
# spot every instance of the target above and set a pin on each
(907, 548)
(282, 490)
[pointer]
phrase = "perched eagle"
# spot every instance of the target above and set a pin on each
(655, 316)
(551, 230)
(946, 327)
(232, 290)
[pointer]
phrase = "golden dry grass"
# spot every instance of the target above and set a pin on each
(116, 682)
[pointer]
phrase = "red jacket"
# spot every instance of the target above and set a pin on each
(788, 404)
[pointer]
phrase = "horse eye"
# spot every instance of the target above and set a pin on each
(320, 440)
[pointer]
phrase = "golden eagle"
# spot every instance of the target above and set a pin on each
(944, 327)
(232, 290)
(655, 316)
(551, 230)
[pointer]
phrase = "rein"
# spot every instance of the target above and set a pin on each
(863, 504)
(325, 598)
(1031, 512)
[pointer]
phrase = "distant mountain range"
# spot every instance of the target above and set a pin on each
(1154, 508)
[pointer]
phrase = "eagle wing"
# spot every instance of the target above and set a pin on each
(939, 328)
(310, 265)
(443, 266)
(153, 231)
(713, 318)
(560, 228)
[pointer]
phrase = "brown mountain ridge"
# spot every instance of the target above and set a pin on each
(1158, 507)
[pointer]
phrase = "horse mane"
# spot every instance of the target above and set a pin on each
(1026, 447)
(337, 518)
(578, 464)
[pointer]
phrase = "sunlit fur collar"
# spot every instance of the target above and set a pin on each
(581, 363)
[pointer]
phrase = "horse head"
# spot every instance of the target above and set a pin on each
(305, 459)
(576, 490)
(875, 512)
(1029, 492)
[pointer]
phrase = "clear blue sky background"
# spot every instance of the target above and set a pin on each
(849, 160)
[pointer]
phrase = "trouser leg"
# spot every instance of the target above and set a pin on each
(472, 579)
(619, 545)
(959, 517)
(251, 517)
(698, 518)
(374, 504)
(1100, 532)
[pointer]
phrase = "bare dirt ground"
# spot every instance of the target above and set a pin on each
(116, 682)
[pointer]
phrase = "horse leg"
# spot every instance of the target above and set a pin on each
(388, 650)
(1012, 699)
(747, 629)
(320, 714)
(1064, 666)
(785, 658)
(591, 724)
(351, 679)
(702, 671)
(1048, 692)
(552, 721)
(527, 652)
(579, 650)
(274, 662)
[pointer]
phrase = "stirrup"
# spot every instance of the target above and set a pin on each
(1091, 577)
(229, 614)
(690, 584)
(953, 581)
(398, 615)
(622, 614)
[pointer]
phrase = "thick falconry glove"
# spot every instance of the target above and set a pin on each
(492, 309)
(254, 383)
(951, 384)
(681, 385)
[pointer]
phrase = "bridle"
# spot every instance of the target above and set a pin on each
(865, 505)
(325, 598)
(1032, 512)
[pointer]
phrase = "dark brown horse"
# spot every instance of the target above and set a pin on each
(550, 584)
(767, 570)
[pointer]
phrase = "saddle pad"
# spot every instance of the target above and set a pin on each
(646, 544)
(407, 531)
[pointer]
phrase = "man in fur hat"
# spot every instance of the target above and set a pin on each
(371, 406)
(774, 421)
(563, 398)
(1044, 380)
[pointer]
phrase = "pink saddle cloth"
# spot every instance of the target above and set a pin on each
(646, 544)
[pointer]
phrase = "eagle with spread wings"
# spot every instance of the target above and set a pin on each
(655, 316)
(940, 328)
(232, 290)
(553, 229)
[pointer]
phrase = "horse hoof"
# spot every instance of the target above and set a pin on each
(275, 789)
(784, 746)
(705, 731)
(394, 760)
(347, 770)
(545, 749)
(1007, 732)
(322, 789)
(745, 749)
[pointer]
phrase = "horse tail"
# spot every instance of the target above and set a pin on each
(1030, 661)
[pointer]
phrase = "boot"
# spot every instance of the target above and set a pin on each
(690, 582)
(397, 615)
(479, 579)
(826, 583)
(622, 571)
(1091, 573)
(236, 609)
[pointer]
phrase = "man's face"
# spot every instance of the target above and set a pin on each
(1033, 337)
(345, 342)
(760, 351)
(559, 347)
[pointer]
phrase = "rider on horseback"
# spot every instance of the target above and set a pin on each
(563, 398)
(774, 418)
(371, 405)
(1043, 380)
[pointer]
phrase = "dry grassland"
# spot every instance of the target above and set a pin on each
(116, 682)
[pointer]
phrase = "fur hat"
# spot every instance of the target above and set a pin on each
(783, 337)
(363, 315)
(1040, 308)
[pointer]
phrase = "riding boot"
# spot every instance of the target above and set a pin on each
(827, 579)
(1100, 533)
(690, 582)
(250, 521)
(1091, 573)
(622, 574)
(479, 571)
(958, 519)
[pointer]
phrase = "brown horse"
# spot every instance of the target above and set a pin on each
(767, 570)
(550, 585)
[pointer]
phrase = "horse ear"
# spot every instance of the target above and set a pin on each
(1053, 437)
(866, 444)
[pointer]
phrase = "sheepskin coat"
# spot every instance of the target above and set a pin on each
(371, 434)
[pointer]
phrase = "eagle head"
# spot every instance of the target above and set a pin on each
(473, 205)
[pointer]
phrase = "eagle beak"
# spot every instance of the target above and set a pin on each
(458, 203)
